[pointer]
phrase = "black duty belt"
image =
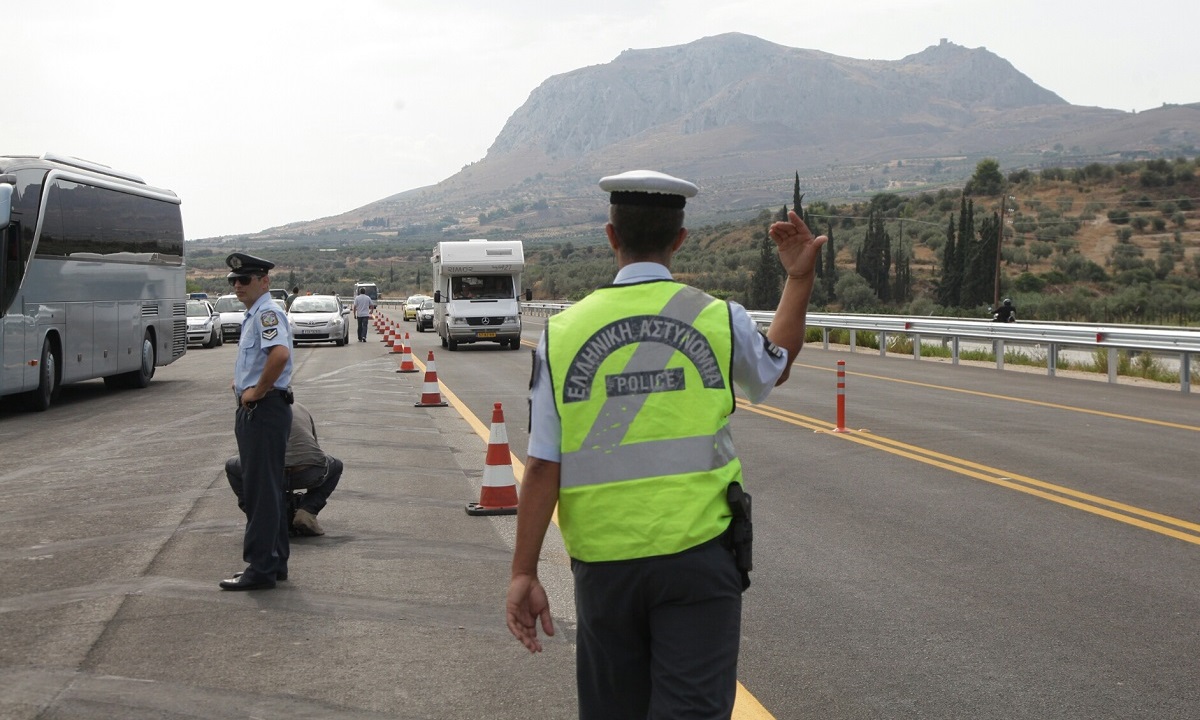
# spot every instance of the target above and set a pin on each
(283, 393)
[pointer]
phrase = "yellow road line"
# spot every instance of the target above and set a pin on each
(1095, 504)
(995, 396)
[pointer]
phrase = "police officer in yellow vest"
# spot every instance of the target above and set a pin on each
(631, 392)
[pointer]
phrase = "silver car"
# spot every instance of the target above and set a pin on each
(425, 316)
(203, 324)
(233, 312)
(319, 318)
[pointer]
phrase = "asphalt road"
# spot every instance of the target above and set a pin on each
(980, 544)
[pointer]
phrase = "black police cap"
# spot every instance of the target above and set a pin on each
(241, 264)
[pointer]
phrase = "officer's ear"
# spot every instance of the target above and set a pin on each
(679, 240)
(611, 233)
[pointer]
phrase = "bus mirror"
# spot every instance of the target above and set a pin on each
(6, 192)
(528, 295)
(437, 296)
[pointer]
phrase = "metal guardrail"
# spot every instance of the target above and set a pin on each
(1054, 337)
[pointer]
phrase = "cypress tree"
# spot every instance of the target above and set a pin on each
(873, 262)
(831, 273)
(947, 292)
(966, 248)
(979, 282)
(767, 279)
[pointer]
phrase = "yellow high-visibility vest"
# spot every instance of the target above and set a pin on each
(642, 384)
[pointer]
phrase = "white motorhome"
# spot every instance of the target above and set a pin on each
(476, 285)
(371, 288)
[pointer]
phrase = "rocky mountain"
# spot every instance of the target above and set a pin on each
(740, 116)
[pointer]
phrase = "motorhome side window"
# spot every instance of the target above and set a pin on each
(482, 287)
(86, 219)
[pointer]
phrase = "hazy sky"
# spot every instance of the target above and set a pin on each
(263, 113)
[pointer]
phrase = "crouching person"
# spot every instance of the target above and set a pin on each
(306, 467)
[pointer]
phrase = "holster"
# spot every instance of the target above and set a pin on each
(741, 530)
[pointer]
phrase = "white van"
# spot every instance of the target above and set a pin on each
(476, 284)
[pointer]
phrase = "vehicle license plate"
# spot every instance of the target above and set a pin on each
(309, 332)
(485, 334)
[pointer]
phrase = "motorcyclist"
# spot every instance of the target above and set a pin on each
(1006, 312)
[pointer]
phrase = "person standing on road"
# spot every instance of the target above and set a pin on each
(629, 403)
(291, 297)
(306, 466)
(262, 375)
(362, 312)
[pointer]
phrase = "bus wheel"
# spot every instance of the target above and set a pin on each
(47, 389)
(139, 378)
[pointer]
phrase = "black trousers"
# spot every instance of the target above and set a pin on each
(658, 637)
(318, 482)
(262, 432)
(362, 327)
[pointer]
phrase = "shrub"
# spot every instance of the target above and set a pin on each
(1028, 282)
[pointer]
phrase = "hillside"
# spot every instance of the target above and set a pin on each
(740, 116)
(1102, 242)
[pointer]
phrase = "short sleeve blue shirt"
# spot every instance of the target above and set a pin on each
(264, 327)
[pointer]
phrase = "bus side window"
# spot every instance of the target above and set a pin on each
(18, 236)
(10, 264)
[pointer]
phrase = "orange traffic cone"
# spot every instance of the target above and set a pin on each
(431, 396)
(498, 496)
(406, 361)
(398, 346)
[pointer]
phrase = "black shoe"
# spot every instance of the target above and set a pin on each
(242, 582)
(280, 576)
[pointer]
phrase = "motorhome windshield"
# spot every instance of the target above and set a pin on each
(482, 287)
(371, 288)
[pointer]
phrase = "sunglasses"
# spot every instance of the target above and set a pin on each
(243, 279)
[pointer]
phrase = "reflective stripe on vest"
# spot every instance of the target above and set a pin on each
(635, 484)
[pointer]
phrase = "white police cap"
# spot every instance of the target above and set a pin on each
(647, 187)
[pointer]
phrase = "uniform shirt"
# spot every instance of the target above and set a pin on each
(757, 365)
(362, 305)
(263, 328)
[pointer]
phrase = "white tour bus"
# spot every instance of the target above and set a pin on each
(91, 277)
